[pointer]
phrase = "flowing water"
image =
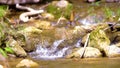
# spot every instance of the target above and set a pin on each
(49, 53)
(53, 57)
(52, 52)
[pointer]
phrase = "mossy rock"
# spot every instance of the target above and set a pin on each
(32, 35)
(98, 39)
(58, 11)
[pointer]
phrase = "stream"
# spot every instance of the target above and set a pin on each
(53, 56)
(75, 63)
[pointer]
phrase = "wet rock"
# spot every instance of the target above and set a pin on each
(27, 63)
(20, 38)
(98, 39)
(81, 30)
(90, 52)
(112, 51)
(43, 25)
(32, 36)
(19, 51)
(63, 33)
(48, 16)
(91, 19)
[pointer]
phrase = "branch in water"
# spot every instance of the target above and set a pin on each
(85, 45)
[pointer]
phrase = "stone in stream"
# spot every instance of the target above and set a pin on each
(90, 52)
(27, 63)
(112, 51)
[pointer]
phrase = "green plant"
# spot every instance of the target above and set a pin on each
(3, 10)
(3, 52)
(58, 12)
(108, 13)
(6, 50)
(3, 46)
(4, 26)
(96, 3)
(118, 14)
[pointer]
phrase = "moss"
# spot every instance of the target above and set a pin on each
(58, 12)
(3, 9)
(98, 39)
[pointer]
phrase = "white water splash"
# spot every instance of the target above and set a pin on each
(49, 53)
(78, 43)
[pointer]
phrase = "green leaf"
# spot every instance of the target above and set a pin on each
(9, 50)
(3, 9)
(3, 52)
(108, 12)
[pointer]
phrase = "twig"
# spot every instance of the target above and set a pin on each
(85, 45)
(112, 25)
(59, 19)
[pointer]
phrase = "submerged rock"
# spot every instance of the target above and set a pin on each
(90, 52)
(27, 63)
(43, 25)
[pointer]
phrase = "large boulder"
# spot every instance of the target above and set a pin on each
(32, 36)
(90, 52)
(98, 39)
